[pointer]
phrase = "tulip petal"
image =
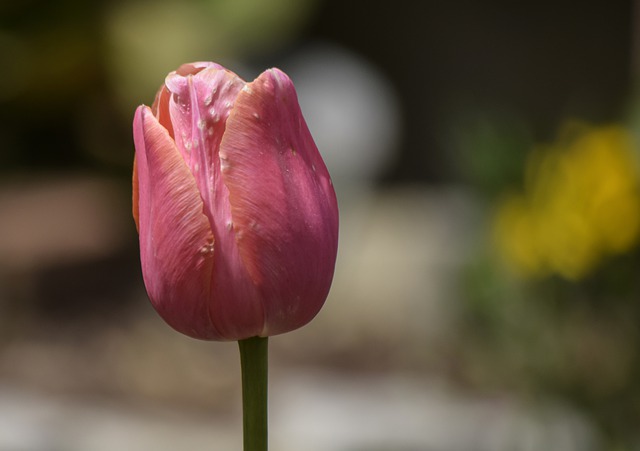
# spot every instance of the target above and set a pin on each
(283, 205)
(160, 109)
(134, 201)
(201, 99)
(176, 241)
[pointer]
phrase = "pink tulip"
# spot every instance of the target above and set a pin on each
(237, 216)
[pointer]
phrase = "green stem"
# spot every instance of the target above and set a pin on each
(253, 360)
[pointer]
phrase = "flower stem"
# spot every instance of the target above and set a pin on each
(254, 364)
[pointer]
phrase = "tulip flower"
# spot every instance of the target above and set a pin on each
(237, 216)
(236, 212)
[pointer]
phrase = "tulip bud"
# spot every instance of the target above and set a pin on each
(236, 212)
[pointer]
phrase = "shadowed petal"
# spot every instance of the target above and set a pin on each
(283, 205)
(176, 241)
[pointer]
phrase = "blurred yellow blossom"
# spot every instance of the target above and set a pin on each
(580, 203)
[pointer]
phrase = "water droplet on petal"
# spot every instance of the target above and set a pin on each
(207, 249)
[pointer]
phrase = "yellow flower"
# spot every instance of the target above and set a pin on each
(580, 203)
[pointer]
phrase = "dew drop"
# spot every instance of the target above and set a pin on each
(256, 115)
(206, 249)
(202, 124)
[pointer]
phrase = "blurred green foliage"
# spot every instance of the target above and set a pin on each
(574, 341)
(543, 317)
(74, 71)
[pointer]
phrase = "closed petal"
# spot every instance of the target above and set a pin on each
(201, 99)
(160, 109)
(283, 205)
(198, 101)
(176, 241)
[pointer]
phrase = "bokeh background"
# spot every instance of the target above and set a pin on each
(487, 293)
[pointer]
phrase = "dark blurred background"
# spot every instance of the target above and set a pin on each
(485, 158)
